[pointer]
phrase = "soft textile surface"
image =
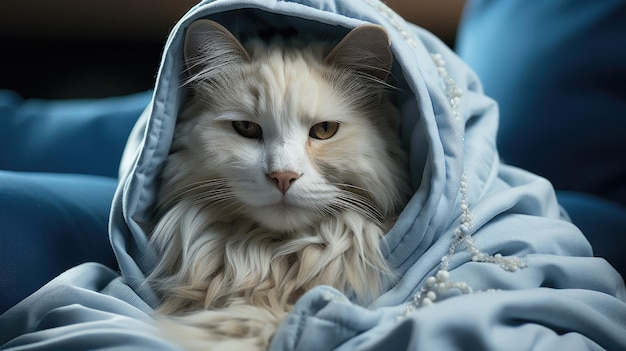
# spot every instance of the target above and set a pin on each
(557, 70)
(563, 299)
(49, 223)
(84, 136)
(58, 168)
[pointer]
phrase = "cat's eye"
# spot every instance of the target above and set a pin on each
(324, 130)
(248, 129)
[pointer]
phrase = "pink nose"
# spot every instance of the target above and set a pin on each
(284, 180)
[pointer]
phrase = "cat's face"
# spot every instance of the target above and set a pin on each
(281, 140)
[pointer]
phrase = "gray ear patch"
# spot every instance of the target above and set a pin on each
(366, 49)
(209, 45)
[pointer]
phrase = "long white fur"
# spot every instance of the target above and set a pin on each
(236, 253)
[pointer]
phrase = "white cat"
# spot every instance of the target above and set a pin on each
(284, 173)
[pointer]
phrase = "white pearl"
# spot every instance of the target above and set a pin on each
(430, 281)
(442, 275)
(464, 229)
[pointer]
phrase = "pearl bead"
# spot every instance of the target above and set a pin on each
(430, 281)
(464, 229)
(442, 275)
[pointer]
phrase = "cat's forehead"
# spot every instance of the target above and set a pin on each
(293, 89)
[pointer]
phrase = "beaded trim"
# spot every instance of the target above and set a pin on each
(440, 284)
(394, 19)
(453, 92)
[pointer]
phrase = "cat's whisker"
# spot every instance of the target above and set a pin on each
(187, 188)
(205, 72)
(375, 80)
(363, 205)
(199, 188)
(360, 204)
(326, 211)
(347, 196)
(352, 187)
(214, 196)
(224, 203)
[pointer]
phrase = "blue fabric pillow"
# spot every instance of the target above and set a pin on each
(558, 71)
(54, 212)
(48, 224)
(603, 221)
(66, 136)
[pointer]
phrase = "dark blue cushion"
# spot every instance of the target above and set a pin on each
(66, 136)
(58, 174)
(603, 222)
(558, 71)
(49, 223)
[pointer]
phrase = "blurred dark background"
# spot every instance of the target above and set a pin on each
(87, 49)
(83, 49)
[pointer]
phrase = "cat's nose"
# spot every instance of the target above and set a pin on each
(284, 180)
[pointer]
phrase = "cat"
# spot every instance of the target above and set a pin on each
(284, 173)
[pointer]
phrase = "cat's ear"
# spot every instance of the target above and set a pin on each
(208, 43)
(367, 49)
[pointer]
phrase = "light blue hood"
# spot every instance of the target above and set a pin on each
(563, 298)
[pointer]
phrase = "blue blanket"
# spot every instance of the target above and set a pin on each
(487, 257)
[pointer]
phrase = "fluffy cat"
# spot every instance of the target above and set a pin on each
(284, 173)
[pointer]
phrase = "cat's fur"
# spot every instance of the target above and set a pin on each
(246, 225)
